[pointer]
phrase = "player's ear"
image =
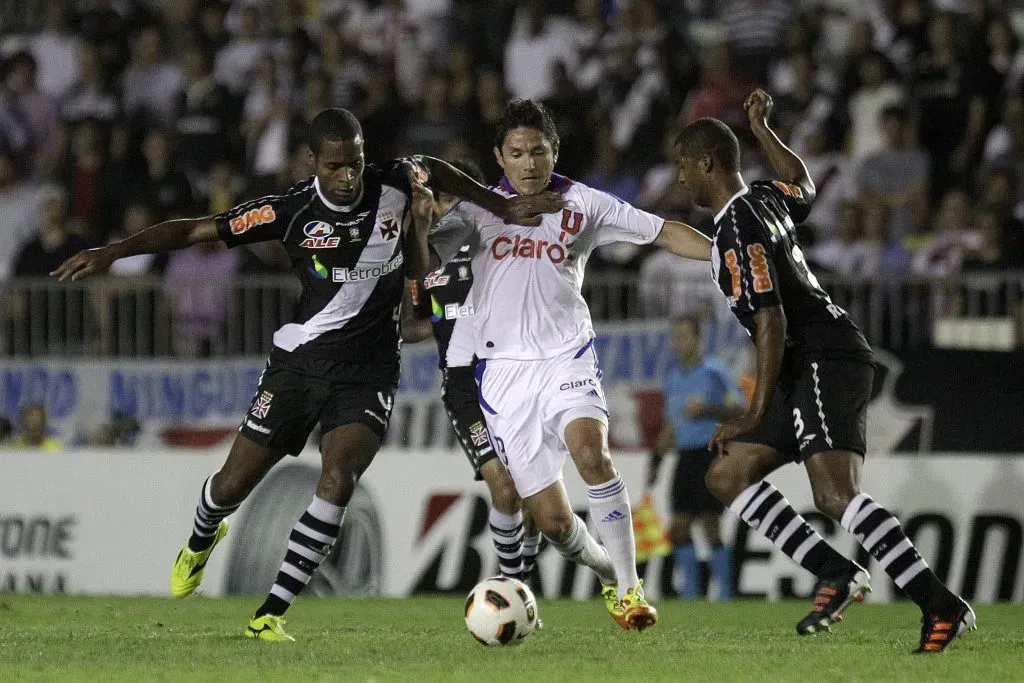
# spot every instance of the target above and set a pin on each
(499, 158)
(706, 163)
(311, 157)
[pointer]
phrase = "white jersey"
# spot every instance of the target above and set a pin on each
(527, 280)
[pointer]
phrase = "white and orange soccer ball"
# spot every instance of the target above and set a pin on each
(501, 611)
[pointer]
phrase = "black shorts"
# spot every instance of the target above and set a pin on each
(818, 405)
(293, 397)
(689, 492)
(459, 396)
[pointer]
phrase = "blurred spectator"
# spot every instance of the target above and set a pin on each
(897, 176)
(137, 217)
(992, 250)
(1005, 54)
(197, 281)
(877, 91)
(803, 107)
(266, 121)
(161, 184)
(944, 251)
(569, 108)
(206, 114)
(673, 286)
(431, 124)
(151, 83)
(55, 49)
(951, 106)
(461, 78)
(834, 181)
(122, 431)
(348, 70)
(91, 96)
(721, 91)
(608, 172)
(845, 253)
(882, 255)
(490, 102)
(754, 29)
(236, 61)
(53, 243)
(33, 431)
(84, 174)
(1005, 144)
(19, 207)
(38, 111)
(538, 42)
(391, 34)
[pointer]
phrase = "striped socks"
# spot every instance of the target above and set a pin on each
(309, 544)
(609, 508)
(208, 517)
(881, 535)
(766, 510)
(507, 536)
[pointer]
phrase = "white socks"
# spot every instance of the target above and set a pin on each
(582, 548)
(609, 508)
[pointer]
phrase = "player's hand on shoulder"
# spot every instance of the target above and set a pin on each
(529, 209)
(84, 263)
(422, 203)
(758, 108)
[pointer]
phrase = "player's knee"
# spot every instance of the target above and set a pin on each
(594, 463)
(557, 527)
(504, 497)
(229, 488)
(832, 502)
(725, 482)
(337, 484)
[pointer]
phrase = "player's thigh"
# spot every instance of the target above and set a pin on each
(508, 398)
(283, 411)
(461, 404)
(575, 412)
(830, 402)
(550, 510)
(347, 450)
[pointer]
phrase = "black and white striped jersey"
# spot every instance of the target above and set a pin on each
(349, 260)
(757, 262)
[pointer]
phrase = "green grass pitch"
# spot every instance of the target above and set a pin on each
(424, 639)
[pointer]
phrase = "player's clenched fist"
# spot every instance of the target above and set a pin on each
(528, 209)
(84, 263)
(758, 107)
(422, 203)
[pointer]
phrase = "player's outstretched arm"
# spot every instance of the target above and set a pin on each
(521, 210)
(415, 327)
(418, 256)
(784, 160)
(770, 345)
(683, 240)
(166, 236)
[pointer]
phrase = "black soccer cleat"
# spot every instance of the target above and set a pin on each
(941, 627)
(832, 596)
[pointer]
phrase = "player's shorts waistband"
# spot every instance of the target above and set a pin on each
(334, 370)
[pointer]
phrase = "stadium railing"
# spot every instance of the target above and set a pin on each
(150, 317)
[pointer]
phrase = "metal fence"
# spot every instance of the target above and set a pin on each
(129, 317)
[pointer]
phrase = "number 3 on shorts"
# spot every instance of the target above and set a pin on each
(798, 423)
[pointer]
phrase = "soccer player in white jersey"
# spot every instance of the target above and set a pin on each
(538, 378)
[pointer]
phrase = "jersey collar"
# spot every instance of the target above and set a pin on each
(559, 184)
(740, 193)
(341, 208)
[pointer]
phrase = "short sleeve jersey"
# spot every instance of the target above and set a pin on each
(757, 262)
(349, 260)
(527, 280)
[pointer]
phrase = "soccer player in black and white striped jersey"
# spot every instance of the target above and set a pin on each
(814, 381)
(352, 233)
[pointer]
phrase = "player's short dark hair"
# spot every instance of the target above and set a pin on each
(333, 125)
(470, 168)
(522, 113)
(691, 319)
(710, 137)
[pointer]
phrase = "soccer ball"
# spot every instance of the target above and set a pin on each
(501, 611)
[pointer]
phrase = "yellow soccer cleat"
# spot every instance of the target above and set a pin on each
(639, 613)
(187, 572)
(269, 628)
(611, 602)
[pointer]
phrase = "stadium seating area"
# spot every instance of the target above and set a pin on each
(909, 113)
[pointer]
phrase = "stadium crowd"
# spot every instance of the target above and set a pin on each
(115, 115)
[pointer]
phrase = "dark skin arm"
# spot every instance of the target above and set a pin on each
(415, 328)
(786, 163)
(770, 345)
(166, 236)
(417, 252)
(521, 210)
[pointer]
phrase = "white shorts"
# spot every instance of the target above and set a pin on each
(528, 404)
